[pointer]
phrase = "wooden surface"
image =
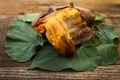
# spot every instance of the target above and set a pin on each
(11, 70)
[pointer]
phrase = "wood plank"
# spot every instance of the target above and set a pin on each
(5, 21)
(101, 73)
(11, 70)
(30, 6)
(118, 62)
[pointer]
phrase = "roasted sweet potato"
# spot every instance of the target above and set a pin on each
(65, 27)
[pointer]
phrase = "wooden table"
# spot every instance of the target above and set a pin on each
(11, 70)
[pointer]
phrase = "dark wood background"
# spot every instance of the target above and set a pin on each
(11, 70)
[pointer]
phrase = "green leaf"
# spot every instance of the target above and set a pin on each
(98, 17)
(49, 58)
(107, 49)
(21, 41)
(94, 41)
(103, 41)
(29, 17)
(108, 53)
(107, 33)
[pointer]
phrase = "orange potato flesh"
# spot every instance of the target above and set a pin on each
(55, 30)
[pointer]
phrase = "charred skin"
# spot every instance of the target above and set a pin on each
(64, 28)
(86, 15)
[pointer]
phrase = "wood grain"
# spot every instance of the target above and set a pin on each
(111, 72)
(11, 70)
(29, 6)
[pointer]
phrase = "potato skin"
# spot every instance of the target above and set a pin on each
(86, 15)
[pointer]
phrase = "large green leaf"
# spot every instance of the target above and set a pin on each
(108, 53)
(21, 41)
(49, 58)
(107, 49)
(103, 41)
(107, 33)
